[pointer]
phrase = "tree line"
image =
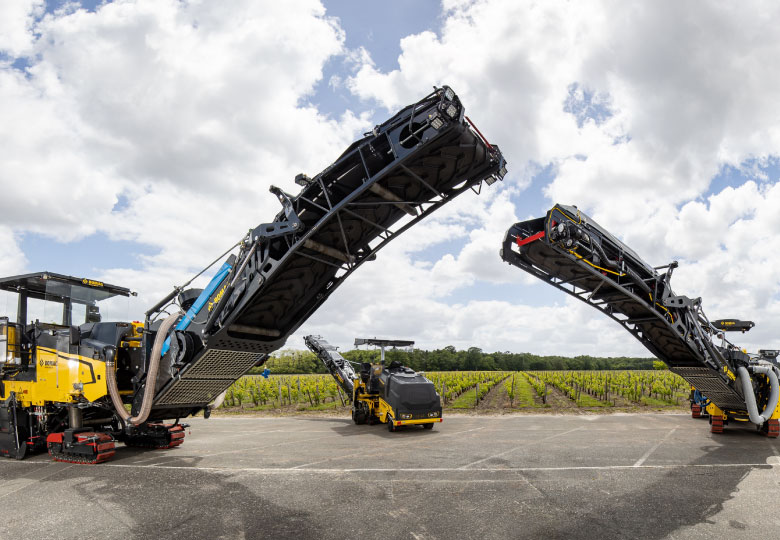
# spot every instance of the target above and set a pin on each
(289, 361)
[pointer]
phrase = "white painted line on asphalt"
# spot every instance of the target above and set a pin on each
(285, 470)
(647, 454)
(520, 446)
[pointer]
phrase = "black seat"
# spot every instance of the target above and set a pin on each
(99, 335)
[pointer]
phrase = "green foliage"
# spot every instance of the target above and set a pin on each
(290, 361)
(282, 390)
(536, 384)
(510, 385)
(599, 388)
(458, 389)
(451, 385)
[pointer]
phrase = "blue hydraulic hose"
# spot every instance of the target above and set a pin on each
(201, 301)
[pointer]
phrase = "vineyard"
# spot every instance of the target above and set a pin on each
(485, 390)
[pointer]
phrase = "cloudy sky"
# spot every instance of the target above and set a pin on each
(140, 137)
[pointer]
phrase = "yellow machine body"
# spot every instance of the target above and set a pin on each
(61, 378)
(383, 411)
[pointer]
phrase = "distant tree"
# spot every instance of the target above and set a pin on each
(290, 361)
(474, 359)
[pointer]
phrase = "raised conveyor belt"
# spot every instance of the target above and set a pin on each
(395, 176)
(338, 366)
(571, 252)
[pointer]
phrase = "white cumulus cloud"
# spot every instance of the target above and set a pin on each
(164, 122)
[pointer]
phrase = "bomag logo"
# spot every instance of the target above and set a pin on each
(47, 363)
(213, 302)
(728, 323)
(92, 283)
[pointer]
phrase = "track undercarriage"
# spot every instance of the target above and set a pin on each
(81, 445)
(91, 446)
(157, 435)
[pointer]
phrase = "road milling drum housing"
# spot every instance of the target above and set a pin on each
(74, 382)
(571, 252)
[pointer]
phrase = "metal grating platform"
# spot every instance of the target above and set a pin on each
(193, 391)
(221, 364)
(712, 386)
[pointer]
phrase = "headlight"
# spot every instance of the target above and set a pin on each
(449, 94)
(437, 122)
(452, 111)
(433, 414)
(406, 416)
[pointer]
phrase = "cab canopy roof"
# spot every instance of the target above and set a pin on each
(383, 342)
(43, 284)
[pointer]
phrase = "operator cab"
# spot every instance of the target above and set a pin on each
(56, 311)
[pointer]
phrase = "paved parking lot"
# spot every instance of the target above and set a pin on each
(616, 476)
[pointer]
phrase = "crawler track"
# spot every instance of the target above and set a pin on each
(158, 436)
(88, 448)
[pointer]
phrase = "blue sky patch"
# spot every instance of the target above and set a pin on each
(86, 257)
(584, 105)
(378, 27)
(759, 170)
(89, 5)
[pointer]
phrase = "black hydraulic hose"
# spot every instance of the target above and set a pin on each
(638, 281)
(614, 264)
(607, 260)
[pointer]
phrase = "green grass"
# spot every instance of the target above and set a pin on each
(587, 401)
(656, 402)
(322, 406)
(465, 400)
(250, 407)
(524, 393)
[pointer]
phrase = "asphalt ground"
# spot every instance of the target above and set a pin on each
(615, 476)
